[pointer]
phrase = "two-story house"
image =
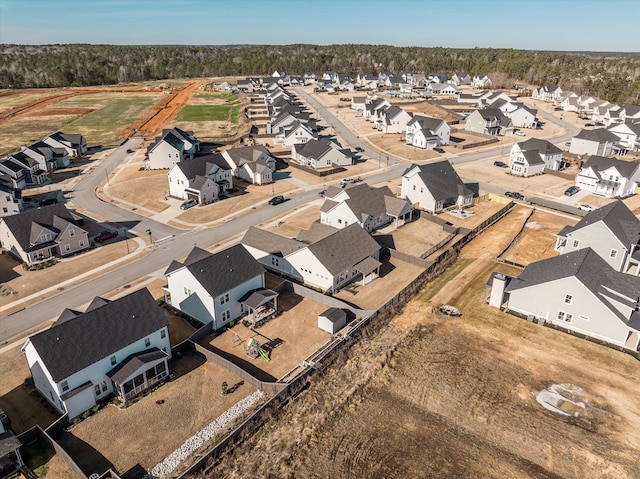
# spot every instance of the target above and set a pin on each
(204, 178)
(172, 147)
(598, 141)
(74, 143)
(609, 177)
(320, 153)
(488, 121)
(531, 157)
(253, 164)
(393, 120)
(426, 132)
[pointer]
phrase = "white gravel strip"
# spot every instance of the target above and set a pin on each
(173, 460)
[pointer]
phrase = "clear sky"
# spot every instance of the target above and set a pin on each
(602, 25)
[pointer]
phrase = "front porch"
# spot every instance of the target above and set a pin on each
(138, 373)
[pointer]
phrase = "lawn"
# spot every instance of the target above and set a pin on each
(218, 96)
(205, 113)
(435, 286)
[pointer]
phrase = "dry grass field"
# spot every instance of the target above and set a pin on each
(428, 396)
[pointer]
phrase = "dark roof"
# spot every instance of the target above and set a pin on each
(426, 122)
(316, 232)
(221, 272)
(441, 179)
(491, 113)
(601, 163)
(543, 146)
(271, 243)
(617, 217)
(47, 216)
(8, 443)
(73, 138)
(171, 139)
(133, 363)
(601, 135)
(201, 165)
(334, 315)
(532, 157)
(367, 265)
(316, 149)
(74, 344)
(344, 249)
(257, 297)
(365, 200)
(245, 154)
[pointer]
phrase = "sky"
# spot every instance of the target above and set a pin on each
(563, 25)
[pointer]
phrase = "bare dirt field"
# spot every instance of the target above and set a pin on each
(294, 334)
(428, 396)
(414, 238)
(146, 432)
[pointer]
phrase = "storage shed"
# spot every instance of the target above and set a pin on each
(332, 320)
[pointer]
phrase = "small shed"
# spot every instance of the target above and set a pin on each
(332, 320)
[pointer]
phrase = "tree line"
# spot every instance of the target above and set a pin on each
(612, 77)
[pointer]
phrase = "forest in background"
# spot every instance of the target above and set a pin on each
(612, 77)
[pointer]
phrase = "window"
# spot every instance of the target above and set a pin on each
(72, 232)
(67, 248)
(187, 291)
(104, 386)
(414, 187)
(81, 243)
(576, 243)
(5, 209)
(224, 298)
(147, 342)
(567, 299)
(163, 333)
(613, 253)
(226, 315)
(113, 360)
(97, 389)
(566, 317)
(339, 221)
(64, 385)
(275, 261)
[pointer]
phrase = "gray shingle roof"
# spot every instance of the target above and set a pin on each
(532, 157)
(543, 146)
(246, 154)
(441, 179)
(601, 163)
(270, 242)
(425, 122)
(316, 232)
(72, 345)
(200, 165)
(316, 149)
(601, 135)
(133, 363)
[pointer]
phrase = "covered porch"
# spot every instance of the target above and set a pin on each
(10, 460)
(259, 304)
(138, 373)
(369, 268)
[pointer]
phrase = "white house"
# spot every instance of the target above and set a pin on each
(531, 157)
(321, 153)
(434, 187)
(481, 81)
(488, 121)
(41, 234)
(374, 104)
(253, 164)
(598, 141)
(523, 117)
(332, 320)
(609, 177)
(460, 79)
(427, 132)
(628, 135)
(32, 170)
(173, 146)
(358, 103)
(442, 89)
(120, 346)
(212, 288)
(393, 120)
(74, 143)
(295, 133)
(547, 93)
(372, 208)
(10, 199)
(204, 178)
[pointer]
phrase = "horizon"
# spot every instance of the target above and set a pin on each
(582, 26)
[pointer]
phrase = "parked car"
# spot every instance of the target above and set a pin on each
(105, 235)
(358, 115)
(519, 133)
(572, 190)
(188, 204)
(322, 192)
(360, 149)
(501, 164)
(558, 108)
(437, 149)
(589, 124)
(276, 200)
(129, 150)
(585, 207)
(598, 123)
(515, 195)
(567, 143)
(346, 181)
(48, 201)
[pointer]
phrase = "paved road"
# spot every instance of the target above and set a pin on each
(183, 241)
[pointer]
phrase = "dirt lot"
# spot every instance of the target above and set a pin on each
(413, 238)
(538, 238)
(146, 432)
(456, 397)
(296, 331)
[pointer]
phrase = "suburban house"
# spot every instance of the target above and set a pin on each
(175, 145)
(374, 104)
(522, 116)
(441, 89)
(628, 137)
(531, 157)
(12, 174)
(49, 158)
(598, 141)
(427, 132)
(33, 172)
(577, 291)
(435, 187)
(10, 199)
(320, 153)
(460, 79)
(612, 231)
(39, 235)
(204, 178)
(74, 143)
(215, 288)
(371, 208)
(609, 177)
(295, 133)
(329, 259)
(120, 346)
(547, 93)
(358, 103)
(629, 112)
(253, 164)
(488, 121)
(393, 119)
(481, 81)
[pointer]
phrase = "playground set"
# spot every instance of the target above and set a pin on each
(251, 347)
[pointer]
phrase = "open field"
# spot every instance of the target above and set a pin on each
(456, 397)
(205, 113)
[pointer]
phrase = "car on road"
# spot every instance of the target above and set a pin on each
(276, 200)
(598, 123)
(105, 235)
(519, 133)
(48, 201)
(360, 149)
(129, 150)
(437, 149)
(589, 124)
(572, 190)
(322, 192)
(358, 115)
(188, 204)
(567, 143)
(585, 207)
(501, 164)
(558, 108)
(515, 195)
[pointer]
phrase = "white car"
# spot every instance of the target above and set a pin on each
(519, 133)
(585, 207)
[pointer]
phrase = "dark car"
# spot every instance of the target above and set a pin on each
(501, 164)
(515, 195)
(439, 150)
(129, 150)
(360, 149)
(558, 108)
(598, 123)
(48, 201)
(589, 124)
(322, 192)
(572, 190)
(105, 235)
(276, 200)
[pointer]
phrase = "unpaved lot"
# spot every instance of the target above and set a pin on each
(433, 397)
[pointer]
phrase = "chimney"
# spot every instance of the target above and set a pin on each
(498, 285)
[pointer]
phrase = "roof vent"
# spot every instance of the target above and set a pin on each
(133, 316)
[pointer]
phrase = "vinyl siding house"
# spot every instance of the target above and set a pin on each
(577, 291)
(253, 164)
(523, 117)
(427, 132)
(321, 153)
(172, 147)
(10, 200)
(12, 174)
(531, 157)
(204, 178)
(212, 288)
(371, 208)
(609, 177)
(612, 232)
(39, 235)
(434, 187)
(442, 89)
(327, 260)
(294, 134)
(598, 141)
(488, 121)
(628, 137)
(32, 169)
(547, 93)
(120, 346)
(75, 144)
(393, 120)
(481, 81)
